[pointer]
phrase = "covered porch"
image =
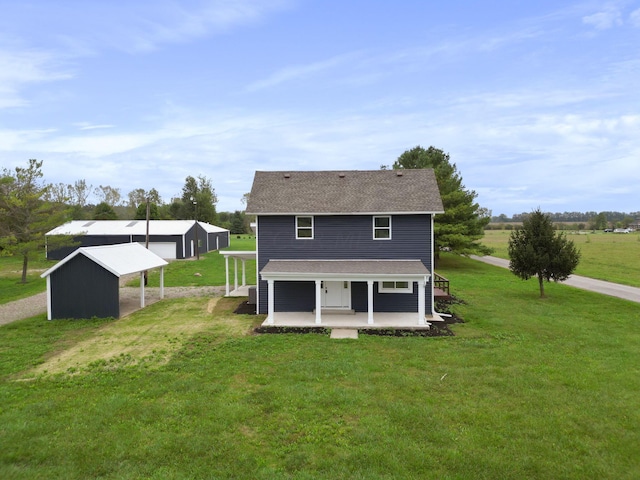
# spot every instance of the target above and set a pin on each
(239, 289)
(407, 276)
(357, 320)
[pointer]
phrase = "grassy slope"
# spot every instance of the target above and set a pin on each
(612, 257)
(528, 388)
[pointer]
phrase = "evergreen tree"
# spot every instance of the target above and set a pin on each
(537, 249)
(198, 200)
(104, 211)
(462, 224)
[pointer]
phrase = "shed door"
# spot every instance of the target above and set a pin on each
(336, 295)
(166, 250)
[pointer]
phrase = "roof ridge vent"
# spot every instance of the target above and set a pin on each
(341, 174)
(287, 175)
(399, 173)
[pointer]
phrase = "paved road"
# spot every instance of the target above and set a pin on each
(585, 283)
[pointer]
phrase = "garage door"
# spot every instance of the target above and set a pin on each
(166, 250)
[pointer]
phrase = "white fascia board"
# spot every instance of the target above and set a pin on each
(353, 277)
(326, 214)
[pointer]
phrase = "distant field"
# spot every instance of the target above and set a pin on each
(614, 257)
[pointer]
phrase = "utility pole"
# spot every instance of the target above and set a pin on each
(146, 244)
(195, 203)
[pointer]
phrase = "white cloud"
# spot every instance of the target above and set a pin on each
(634, 18)
(608, 18)
(23, 67)
(298, 72)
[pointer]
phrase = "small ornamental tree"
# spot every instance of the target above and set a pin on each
(538, 249)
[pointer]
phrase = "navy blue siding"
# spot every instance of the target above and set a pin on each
(295, 296)
(83, 289)
(97, 240)
(86, 241)
(222, 239)
(347, 237)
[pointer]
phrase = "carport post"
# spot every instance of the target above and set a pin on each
(235, 273)
(226, 269)
(141, 289)
(161, 282)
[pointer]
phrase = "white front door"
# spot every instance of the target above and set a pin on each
(336, 295)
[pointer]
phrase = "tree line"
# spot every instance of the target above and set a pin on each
(29, 208)
(591, 220)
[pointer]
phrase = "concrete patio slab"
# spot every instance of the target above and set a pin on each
(344, 333)
(356, 321)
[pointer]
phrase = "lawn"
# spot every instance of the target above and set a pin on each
(11, 287)
(528, 388)
(605, 256)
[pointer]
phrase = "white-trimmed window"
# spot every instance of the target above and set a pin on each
(382, 228)
(395, 287)
(304, 227)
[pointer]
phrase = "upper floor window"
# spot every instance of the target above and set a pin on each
(381, 228)
(304, 227)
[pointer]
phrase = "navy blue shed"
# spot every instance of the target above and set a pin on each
(85, 284)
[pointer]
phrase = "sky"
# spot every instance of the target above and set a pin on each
(537, 103)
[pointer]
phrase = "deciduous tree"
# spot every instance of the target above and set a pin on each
(537, 249)
(109, 195)
(25, 215)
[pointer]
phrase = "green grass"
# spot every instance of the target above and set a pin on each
(528, 388)
(209, 270)
(11, 287)
(605, 256)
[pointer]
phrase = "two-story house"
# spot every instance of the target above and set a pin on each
(353, 242)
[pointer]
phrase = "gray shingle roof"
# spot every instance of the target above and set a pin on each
(346, 267)
(344, 192)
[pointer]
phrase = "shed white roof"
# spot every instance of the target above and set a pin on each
(120, 259)
(130, 227)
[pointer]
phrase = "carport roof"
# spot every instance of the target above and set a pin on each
(120, 259)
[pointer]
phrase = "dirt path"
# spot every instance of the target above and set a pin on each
(585, 283)
(129, 301)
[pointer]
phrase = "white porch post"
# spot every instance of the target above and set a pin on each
(141, 289)
(161, 282)
(244, 276)
(270, 301)
(235, 273)
(370, 302)
(421, 298)
(226, 269)
(318, 302)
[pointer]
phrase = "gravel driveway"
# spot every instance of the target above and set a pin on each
(585, 283)
(129, 301)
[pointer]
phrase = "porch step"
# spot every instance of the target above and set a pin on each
(336, 311)
(344, 333)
